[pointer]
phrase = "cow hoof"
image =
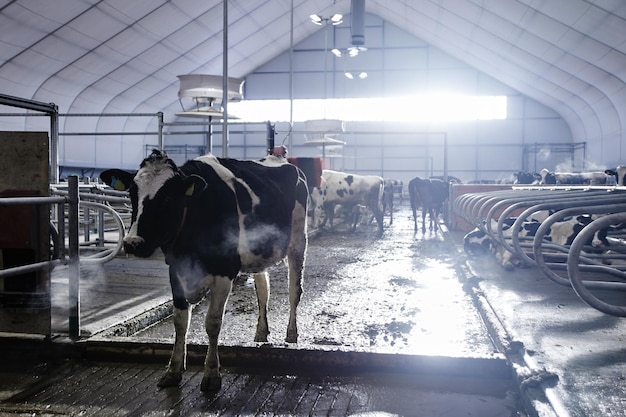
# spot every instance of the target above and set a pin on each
(169, 380)
(211, 384)
(291, 338)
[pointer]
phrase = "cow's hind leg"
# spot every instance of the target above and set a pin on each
(296, 254)
(296, 269)
(212, 380)
(262, 287)
(379, 218)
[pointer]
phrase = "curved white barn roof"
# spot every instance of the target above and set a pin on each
(124, 56)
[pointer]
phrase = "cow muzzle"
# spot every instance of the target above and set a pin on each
(131, 243)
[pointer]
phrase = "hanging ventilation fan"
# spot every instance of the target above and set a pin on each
(206, 94)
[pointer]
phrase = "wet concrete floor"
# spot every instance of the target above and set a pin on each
(405, 300)
(574, 356)
(385, 325)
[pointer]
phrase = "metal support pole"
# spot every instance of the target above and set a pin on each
(208, 147)
(61, 229)
(271, 134)
(74, 261)
(54, 145)
(225, 83)
(291, 84)
(101, 227)
(160, 117)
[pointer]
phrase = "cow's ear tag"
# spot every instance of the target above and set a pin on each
(190, 190)
(118, 184)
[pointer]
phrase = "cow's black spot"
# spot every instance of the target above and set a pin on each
(350, 180)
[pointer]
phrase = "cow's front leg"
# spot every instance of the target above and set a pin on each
(182, 318)
(212, 380)
(262, 287)
(175, 368)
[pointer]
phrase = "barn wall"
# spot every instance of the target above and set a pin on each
(478, 150)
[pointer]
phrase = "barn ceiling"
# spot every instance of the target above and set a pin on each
(124, 56)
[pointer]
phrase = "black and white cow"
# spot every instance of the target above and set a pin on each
(350, 191)
(477, 243)
(573, 178)
(524, 177)
(390, 188)
(619, 173)
(215, 218)
(430, 194)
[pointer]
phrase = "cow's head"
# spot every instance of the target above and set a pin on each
(159, 193)
(619, 173)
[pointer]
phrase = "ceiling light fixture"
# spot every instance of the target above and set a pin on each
(355, 50)
(336, 19)
(319, 20)
(362, 75)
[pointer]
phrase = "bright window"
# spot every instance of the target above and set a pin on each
(423, 108)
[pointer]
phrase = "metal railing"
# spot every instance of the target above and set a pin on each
(74, 208)
(101, 210)
(594, 273)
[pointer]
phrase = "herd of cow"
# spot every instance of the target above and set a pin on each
(480, 243)
(353, 194)
(547, 177)
(214, 218)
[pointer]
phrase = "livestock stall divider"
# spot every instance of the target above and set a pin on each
(72, 260)
(75, 203)
(595, 270)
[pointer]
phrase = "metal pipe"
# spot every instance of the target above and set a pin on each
(109, 134)
(108, 114)
(575, 279)
(160, 117)
(61, 228)
(225, 83)
(27, 104)
(110, 253)
(18, 270)
(17, 201)
(54, 145)
(89, 196)
(74, 260)
(291, 84)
